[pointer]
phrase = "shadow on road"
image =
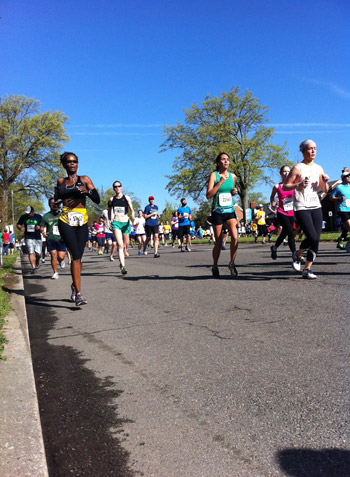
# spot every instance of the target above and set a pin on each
(81, 429)
(314, 463)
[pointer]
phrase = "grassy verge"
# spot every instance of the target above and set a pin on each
(6, 269)
(325, 237)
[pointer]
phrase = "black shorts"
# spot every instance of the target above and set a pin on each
(220, 219)
(344, 216)
(184, 230)
(174, 233)
(262, 230)
(151, 230)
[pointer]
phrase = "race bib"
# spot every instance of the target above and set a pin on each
(75, 219)
(55, 230)
(119, 210)
(225, 199)
(30, 228)
(312, 200)
(347, 202)
(288, 204)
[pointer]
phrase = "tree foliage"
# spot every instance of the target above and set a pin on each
(30, 143)
(234, 123)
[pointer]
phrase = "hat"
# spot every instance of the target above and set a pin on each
(150, 197)
(345, 174)
(260, 205)
(28, 209)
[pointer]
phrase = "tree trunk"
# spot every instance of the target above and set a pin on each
(4, 207)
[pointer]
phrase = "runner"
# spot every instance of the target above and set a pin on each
(110, 239)
(166, 232)
(151, 227)
(184, 215)
(29, 223)
(304, 179)
(100, 235)
(221, 188)
(175, 228)
(118, 209)
(73, 221)
(341, 195)
(261, 221)
(285, 214)
(140, 233)
(54, 243)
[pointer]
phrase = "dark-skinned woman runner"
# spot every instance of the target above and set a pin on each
(72, 224)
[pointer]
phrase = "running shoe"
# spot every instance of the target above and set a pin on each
(188, 249)
(43, 260)
(341, 246)
(111, 259)
(215, 272)
(308, 275)
(156, 255)
(32, 271)
(139, 253)
(233, 269)
(54, 276)
(297, 265)
(37, 264)
(181, 249)
(173, 246)
(80, 300)
(62, 264)
(74, 293)
(145, 252)
(123, 270)
(273, 252)
(285, 242)
(347, 247)
(223, 246)
(126, 253)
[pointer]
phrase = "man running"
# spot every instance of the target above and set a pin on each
(341, 195)
(29, 223)
(184, 215)
(54, 242)
(152, 228)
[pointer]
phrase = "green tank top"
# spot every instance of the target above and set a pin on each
(223, 200)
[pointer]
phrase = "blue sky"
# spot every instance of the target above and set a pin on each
(121, 71)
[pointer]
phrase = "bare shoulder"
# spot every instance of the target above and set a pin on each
(59, 181)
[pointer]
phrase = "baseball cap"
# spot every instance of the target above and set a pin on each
(345, 174)
(28, 209)
(150, 197)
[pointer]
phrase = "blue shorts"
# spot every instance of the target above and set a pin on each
(110, 236)
(57, 245)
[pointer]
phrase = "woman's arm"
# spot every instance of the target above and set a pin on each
(273, 193)
(131, 207)
(211, 189)
(323, 181)
(292, 181)
(89, 189)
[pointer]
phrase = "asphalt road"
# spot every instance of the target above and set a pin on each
(169, 372)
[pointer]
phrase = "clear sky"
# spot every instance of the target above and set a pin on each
(121, 70)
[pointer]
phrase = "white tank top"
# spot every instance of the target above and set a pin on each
(308, 198)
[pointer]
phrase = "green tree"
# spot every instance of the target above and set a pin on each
(168, 210)
(234, 123)
(201, 214)
(30, 142)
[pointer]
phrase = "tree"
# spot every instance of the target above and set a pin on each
(30, 142)
(168, 210)
(234, 123)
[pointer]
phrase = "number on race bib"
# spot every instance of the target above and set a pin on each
(55, 230)
(119, 210)
(347, 202)
(288, 204)
(75, 219)
(225, 199)
(30, 228)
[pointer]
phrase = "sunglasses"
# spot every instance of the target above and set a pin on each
(117, 186)
(71, 162)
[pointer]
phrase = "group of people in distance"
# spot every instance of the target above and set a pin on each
(297, 199)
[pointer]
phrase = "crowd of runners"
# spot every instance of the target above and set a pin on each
(295, 205)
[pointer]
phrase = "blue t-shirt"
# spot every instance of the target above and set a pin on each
(30, 223)
(182, 211)
(151, 209)
(339, 191)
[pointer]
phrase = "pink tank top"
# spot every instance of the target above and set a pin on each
(285, 201)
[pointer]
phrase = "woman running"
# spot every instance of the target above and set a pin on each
(72, 223)
(140, 233)
(118, 209)
(221, 188)
(285, 214)
(305, 178)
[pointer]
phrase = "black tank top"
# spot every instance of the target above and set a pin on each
(70, 192)
(120, 206)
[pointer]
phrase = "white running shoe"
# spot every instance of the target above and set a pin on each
(111, 259)
(54, 276)
(297, 265)
(62, 264)
(308, 275)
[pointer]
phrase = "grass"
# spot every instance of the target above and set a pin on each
(5, 270)
(325, 237)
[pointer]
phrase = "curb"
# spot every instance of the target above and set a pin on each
(22, 447)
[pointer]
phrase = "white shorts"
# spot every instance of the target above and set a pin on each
(33, 246)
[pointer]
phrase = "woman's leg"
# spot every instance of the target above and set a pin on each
(232, 229)
(310, 222)
(120, 245)
(217, 246)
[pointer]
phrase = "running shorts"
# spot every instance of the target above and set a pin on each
(220, 219)
(124, 227)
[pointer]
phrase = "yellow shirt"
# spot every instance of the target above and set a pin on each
(261, 217)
